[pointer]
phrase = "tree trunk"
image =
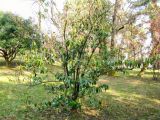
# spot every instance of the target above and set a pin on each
(113, 33)
(9, 57)
(8, 63)
(76, 91)
(142, 70)
(76, 85)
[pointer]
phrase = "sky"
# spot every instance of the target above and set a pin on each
(27, 9)
(24, 8)
(19, 7)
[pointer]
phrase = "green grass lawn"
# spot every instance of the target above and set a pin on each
(132, 98)
(128, 98)
(16, 97)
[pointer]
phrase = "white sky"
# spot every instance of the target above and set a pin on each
(20, 7)
(24, 8)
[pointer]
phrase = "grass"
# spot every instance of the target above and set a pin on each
(128, 98)
(15, 97)
(132, 98)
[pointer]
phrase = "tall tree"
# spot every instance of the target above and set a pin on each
(152, 10)
(114, 22)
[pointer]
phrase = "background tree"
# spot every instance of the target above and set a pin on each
(15, 34)
(151, 9)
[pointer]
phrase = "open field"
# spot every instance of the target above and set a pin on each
(128, 98)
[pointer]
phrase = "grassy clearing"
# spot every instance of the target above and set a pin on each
(132, 98)
(128, 98)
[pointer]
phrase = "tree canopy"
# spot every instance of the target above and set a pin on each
(16, 33)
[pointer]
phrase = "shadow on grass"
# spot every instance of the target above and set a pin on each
(13, 64)
(131, 107)
(52, 114)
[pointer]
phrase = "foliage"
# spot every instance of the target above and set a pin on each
(15, 34)
(110, 61)
(83, 27)
(35, 63)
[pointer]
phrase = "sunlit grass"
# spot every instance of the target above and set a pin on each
(132, 98)
(16, 96)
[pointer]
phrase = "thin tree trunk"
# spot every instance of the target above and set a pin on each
(76, 85)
